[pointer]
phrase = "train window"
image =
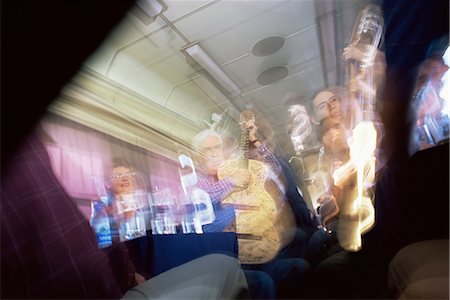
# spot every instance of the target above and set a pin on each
(432, 102)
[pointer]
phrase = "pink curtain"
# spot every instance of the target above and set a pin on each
(78, 154)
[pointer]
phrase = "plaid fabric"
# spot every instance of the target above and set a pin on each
(48, 249)
(217, 190)
(264, 155)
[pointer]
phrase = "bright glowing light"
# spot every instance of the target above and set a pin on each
(301, 126)
(360, 215)
(362, 149)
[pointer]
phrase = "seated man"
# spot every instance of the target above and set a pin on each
(289, 269)
(336, 153)
(210, 155)
(329, 109)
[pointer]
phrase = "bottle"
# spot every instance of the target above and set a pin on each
(100, 224)
(132, 221)
(187, 212)
(132, 227)
(164, 212)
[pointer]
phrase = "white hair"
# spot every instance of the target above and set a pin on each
(200, 137)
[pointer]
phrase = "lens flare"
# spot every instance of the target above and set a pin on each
(358, 214)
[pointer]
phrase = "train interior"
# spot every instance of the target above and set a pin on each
(308, 76)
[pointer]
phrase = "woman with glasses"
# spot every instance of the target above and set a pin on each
(128, 201)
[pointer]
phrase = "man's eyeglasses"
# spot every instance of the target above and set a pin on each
(211, 150)
(120, 175)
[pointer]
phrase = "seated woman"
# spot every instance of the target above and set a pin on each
(128, 204)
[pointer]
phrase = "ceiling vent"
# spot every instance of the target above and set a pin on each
(268, 46)
(272, 75)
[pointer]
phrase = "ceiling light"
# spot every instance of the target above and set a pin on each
(147, 10)
(203, 59)
(151, 7)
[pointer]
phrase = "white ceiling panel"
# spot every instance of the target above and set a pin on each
(300, 83)
(146, 58)
(298, 54)
(239, 25)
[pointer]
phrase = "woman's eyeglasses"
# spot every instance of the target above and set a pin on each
(120, 175)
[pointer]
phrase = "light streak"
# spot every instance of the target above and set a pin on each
(359, 213)
(301, 126)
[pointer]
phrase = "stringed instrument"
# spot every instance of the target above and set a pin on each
(357, 209)
(264, 220)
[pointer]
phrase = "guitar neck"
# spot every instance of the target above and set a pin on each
(244, 145)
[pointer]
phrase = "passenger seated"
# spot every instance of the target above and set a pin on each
(289, 269)
(128, 205)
